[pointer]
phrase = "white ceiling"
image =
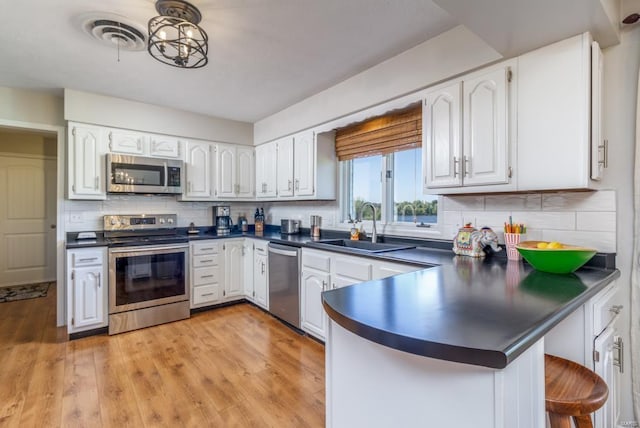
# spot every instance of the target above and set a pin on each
(265, 54)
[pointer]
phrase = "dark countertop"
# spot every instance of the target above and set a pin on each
(473, 311)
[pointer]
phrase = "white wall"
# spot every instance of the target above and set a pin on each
(23, 105)
(453, 52)
(120, 113)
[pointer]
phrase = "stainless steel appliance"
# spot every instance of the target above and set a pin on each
(222, 219)
(284, 283)
(148, 271)
(289, 227)
(137, 174)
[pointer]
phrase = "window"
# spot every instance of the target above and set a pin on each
(393, 184)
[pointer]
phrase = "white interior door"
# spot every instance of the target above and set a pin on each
(27, 220)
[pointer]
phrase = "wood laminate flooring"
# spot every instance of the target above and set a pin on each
(233, 366)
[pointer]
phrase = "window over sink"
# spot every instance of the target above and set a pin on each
(393, 184)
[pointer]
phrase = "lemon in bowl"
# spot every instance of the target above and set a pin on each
(554, 257)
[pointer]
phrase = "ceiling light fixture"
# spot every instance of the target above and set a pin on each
(175, 37)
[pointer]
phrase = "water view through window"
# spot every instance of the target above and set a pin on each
(409, 203)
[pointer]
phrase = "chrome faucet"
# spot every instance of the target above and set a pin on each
(404, 211)
(369, 204)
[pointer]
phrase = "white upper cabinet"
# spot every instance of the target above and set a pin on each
(485, 132)
(127, 142)
(466, 133)
(199, 171)
(304, 164)
(86, 162)
(441, 136)
(245, 172)
(554, 116)
(285, 167)
(266, 157)
(236, 171)
(294, 164)
(226, 167)
(164, 146)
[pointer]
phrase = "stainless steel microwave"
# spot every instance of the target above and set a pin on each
(137, 174)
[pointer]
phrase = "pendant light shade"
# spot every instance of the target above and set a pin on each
(175, 37)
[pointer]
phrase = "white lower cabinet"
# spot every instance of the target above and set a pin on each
(87, 289)
(233, 267)
(590, 337)
(323, 270)
(314, 319)
(207, 272)
(261, 274)
(247, 269)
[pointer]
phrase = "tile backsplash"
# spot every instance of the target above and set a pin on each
(581, 218)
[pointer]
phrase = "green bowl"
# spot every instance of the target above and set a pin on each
(558, 260)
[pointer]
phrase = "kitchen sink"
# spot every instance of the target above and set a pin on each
(369, 247)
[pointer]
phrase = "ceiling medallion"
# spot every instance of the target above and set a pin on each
(175, 37)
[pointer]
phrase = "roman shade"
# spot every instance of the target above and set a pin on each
(392, 132)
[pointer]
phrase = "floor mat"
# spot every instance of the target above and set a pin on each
(21, 292)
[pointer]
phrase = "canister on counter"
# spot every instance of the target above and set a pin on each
(315, 221)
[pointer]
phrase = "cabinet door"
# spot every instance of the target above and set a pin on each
(198, 171)
(606, 347)
(164, 146)
(441, 137)
(245, 177)
(87, 168)
(599, 146)
(226, 166)
(343, 281)
(266, 157)
(285, 167)
(385, 269)
(88, 291)
(261, 278)
(304, 163)
(485, 148)
(247, 269)
(553, 104)
(132, 143)
(314, 319)
(233, 268)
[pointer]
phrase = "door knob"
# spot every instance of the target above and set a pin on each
(53, 226)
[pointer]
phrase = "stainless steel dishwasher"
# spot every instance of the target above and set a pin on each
(284, 283)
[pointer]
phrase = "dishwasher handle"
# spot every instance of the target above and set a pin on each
(283, 250)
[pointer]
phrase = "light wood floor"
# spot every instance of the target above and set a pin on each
(234, 366)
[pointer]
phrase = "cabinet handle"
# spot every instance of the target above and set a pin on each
(324, 285)
(98, 278)
(189, 186)
(333, 285)
(605, 161)
(616, 309)
(207, 294)
(97, 183)
(206, 249)
(206, 261)
(297, 184)
(206, 276)
(465, 162)
(262, 272)
(456, 162)
(288, 184)
(618, 345)
(88, 259)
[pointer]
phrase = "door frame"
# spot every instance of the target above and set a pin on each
(60, 131)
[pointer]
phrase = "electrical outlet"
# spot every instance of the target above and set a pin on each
(629, 424)
(75, 218)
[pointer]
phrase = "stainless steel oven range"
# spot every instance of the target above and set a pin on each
(148, 271)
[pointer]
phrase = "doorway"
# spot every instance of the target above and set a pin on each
(53, 133)
(27, 207)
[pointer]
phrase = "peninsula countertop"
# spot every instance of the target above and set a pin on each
(484, 312)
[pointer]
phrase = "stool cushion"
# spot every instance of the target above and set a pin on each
(572, 389)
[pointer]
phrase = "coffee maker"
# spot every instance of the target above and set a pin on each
(222, 219)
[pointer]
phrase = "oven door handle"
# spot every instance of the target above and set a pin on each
(147, 248)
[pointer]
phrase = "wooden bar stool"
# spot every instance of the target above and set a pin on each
(571, 391)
